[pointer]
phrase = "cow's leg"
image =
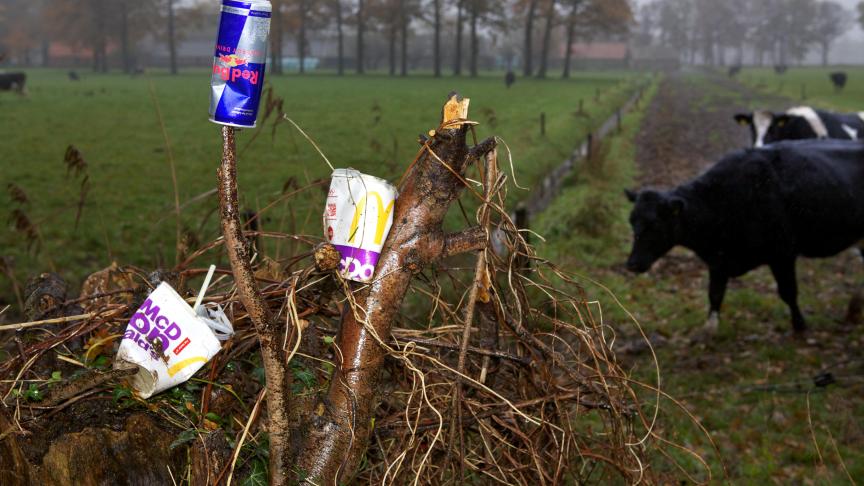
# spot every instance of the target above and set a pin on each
(787, 286)
(717, 281)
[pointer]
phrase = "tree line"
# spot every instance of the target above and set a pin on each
(522, 32)
(723, 32)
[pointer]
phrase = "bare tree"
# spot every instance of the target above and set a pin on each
(571, 35)
(408, 9)
(302, 19)
(457, 51)
(475, 40)
(276, 28)
(337, 14)
(831, 22)
(547, 38)
(528, 50)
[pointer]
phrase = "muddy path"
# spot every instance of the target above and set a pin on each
(690, 125)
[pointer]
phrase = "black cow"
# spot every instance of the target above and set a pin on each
(734, 71)
(801, 123)
(509, 79)
(73, 76)
(839, 79)
(13, 82)
(757, 207)
(780, 68)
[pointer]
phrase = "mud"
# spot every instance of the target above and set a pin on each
(689, 126)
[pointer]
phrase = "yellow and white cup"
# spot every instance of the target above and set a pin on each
(357, 220)
(167, 341)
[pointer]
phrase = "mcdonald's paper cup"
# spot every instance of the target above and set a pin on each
(357, 220)
(167, 341)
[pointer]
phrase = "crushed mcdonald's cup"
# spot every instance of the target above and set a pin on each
(169, 342)
(357, 220)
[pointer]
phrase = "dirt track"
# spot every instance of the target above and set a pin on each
(689, 126)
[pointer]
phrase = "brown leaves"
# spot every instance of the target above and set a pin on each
(17, 194)
(74, 161)
(23, 225)
(76, 164)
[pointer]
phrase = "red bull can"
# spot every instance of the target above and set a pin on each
(238, 65)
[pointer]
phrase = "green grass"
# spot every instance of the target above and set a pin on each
(370, 123)
(813, 82)
(764, 436)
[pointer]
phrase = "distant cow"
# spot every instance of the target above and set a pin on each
(73, 76)
(839, 79)
(780, 68)
(801, 123)
(734, 71)
(509, 79)
(13, 82)
(757, 207)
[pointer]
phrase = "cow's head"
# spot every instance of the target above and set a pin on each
(767, 127)
(656, 223)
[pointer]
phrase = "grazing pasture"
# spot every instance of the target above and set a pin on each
(765, 397)
(370, 123)
(810, 86)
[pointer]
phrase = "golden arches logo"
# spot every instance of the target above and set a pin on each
(381, 224)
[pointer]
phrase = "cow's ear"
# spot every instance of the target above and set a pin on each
(632, 196)
(677, 205)
(744, 119)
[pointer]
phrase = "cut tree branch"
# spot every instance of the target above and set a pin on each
(269, 331)
(336, 442)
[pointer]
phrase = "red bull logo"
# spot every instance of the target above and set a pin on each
(233, 74)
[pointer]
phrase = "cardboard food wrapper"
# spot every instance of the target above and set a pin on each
(168, 341)
(357, 219)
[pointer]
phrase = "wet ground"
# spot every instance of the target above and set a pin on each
(753, 384)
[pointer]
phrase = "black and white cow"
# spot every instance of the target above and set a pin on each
(801, 123)
(757, 207)
(13, 82)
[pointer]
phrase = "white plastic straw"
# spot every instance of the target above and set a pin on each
(204, 288)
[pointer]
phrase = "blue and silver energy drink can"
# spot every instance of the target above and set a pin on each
(238, 66)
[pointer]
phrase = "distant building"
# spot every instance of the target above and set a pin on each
(599, 55)
(655, 58)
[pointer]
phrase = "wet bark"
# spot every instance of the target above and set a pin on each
(338, 439)
(269, 331)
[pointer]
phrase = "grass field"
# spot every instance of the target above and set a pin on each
(811, 86)
(370, 123)
(750, 387)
